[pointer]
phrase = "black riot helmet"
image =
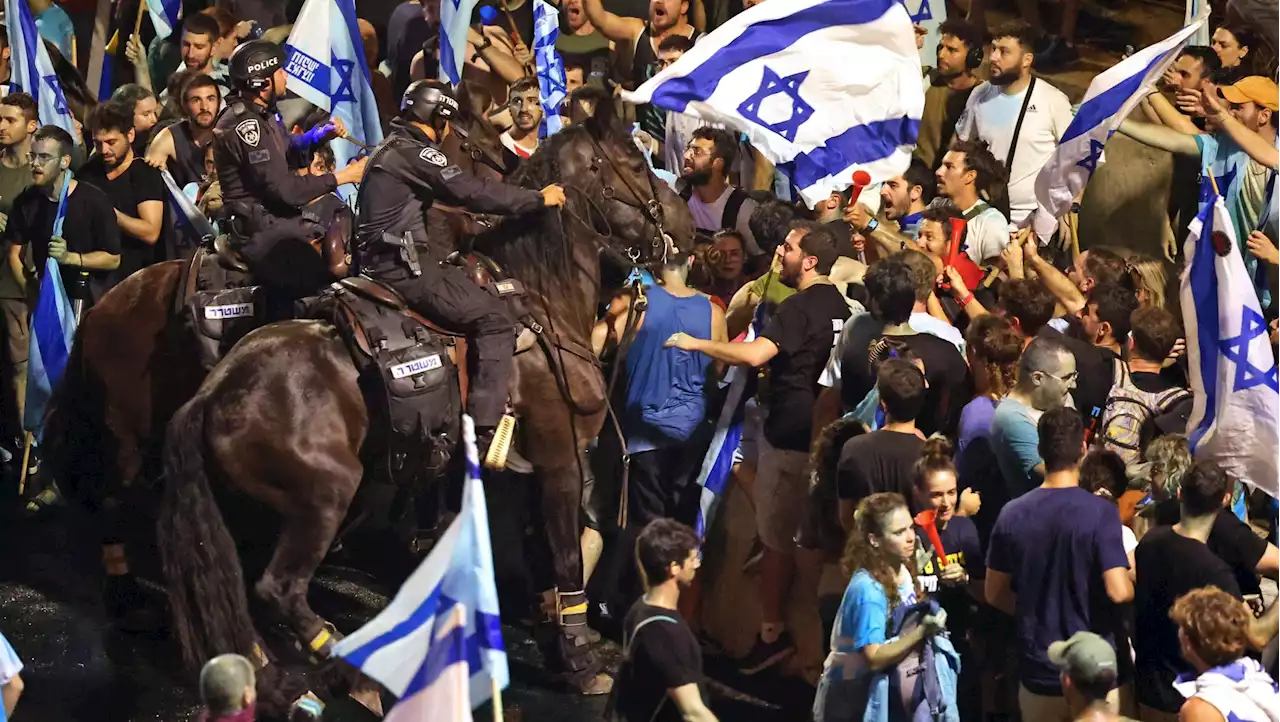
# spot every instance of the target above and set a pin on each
(253, 63)
(430, 102)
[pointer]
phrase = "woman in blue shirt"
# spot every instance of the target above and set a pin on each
(879, 555)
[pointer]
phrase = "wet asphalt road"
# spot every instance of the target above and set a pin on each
(78, 667)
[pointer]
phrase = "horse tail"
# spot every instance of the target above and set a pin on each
(201, 565)
(75, 433)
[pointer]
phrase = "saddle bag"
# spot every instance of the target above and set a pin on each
(223, 307)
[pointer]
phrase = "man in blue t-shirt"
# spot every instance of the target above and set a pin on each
(1046, 375)
(1057, 563)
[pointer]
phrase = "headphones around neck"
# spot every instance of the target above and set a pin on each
(973, 58)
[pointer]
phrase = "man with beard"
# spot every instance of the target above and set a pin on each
(521, 139)
(136, 189)
(947, 87)
(88, 249)
(262, 196)
(795, 345)
(968, 170)
(1020, 117)
(200, 34)
(179, 148)
(902, 199)
(146, 113)
(18, 120)
(666, 18)
(714, 203)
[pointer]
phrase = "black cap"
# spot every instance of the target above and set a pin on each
(428, 101)
(253, 63)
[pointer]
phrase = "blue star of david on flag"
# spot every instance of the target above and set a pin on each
(1224, 185)
(1090, 162)
(344, 69)
(1236, 348)
(59, 100)
(923, 14)
(773, 84)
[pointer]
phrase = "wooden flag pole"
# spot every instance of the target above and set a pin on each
(137, 21)
(1213, 182)
(497, 700)
(28, 442)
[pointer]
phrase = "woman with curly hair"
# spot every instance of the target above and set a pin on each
(879, 556)
(1214, 634)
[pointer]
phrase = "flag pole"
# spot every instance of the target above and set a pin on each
(497, 699)
(28, 440)
(137, 21)
(1213, 182)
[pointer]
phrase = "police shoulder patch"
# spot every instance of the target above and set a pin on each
(249, 131)
(450, 172)
(434, 157)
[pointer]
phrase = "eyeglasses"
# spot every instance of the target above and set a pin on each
(697, 152)
(1068, 379)
(40, 158)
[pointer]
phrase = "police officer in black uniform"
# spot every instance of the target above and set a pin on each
(263, 198)
(406, 174)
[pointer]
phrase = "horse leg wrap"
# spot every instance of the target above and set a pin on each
(573, 609)
(322, 643)
(549, 606)
(258, 657)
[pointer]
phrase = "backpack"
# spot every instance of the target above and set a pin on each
(729, 216)
(1128, 417)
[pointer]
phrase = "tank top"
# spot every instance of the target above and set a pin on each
(644, 65)
(187, 164)
(666, 399)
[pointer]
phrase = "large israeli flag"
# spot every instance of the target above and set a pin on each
(1232, 368)
(32, 72)
(187, 219)
(1110, 98)
(717, 463)
(325, 63)
(827, 86)
(551, 81)
(164, 15)
(53, 328)
(455, 20)
(398, 647)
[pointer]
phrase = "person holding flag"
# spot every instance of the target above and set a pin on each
(263, 197)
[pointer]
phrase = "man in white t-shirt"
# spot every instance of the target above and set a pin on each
(992, 112)
(714, 203)
(968, 168)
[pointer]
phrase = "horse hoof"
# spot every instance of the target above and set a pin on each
(592, 686)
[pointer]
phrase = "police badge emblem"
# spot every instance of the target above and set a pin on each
(433, 156)
(250, 132)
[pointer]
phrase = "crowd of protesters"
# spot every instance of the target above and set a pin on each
(982, 453)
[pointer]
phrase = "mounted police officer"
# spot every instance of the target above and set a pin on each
(406, 174)
(263, 197)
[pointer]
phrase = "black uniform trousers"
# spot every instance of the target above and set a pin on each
(280, 256)
(447, 296)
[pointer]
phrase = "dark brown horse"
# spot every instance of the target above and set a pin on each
(279, 425)
(134, 363)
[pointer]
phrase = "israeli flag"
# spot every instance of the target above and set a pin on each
(399, 647)
(164, 15)
(1112, 95)
(53, 328)
(32, 71)
(187, 219)
(455, 20)
(1232, 368)
(1195, 9)
(930, 15)
(325, 64)
(717, 464)
(550, 67)
(827, 86)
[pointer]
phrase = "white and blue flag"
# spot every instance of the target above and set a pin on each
(455, 21)
(1196, 9)
(187, 219)
(551, 81)
(1232, 367)
(32, 71)
(717, 464)
(821, 87)
(1112, 95)
(930, 15)
(399, 646)
(326, 66)
(164, 15)
(53, 328)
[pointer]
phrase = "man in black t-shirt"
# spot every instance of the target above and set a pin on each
(136, 189)
(662, 667)
(884, 460)
(1171, 561)
(89, 247)
(795, 345)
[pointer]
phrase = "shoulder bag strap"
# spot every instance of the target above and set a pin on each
(1017, 128)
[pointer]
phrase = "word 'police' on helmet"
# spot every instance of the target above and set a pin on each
(253, 63)
(428, 101)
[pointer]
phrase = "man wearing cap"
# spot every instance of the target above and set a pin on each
(263, 197)
(1248, 109)
(1087, 666)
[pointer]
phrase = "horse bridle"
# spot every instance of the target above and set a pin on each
(651, 209)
